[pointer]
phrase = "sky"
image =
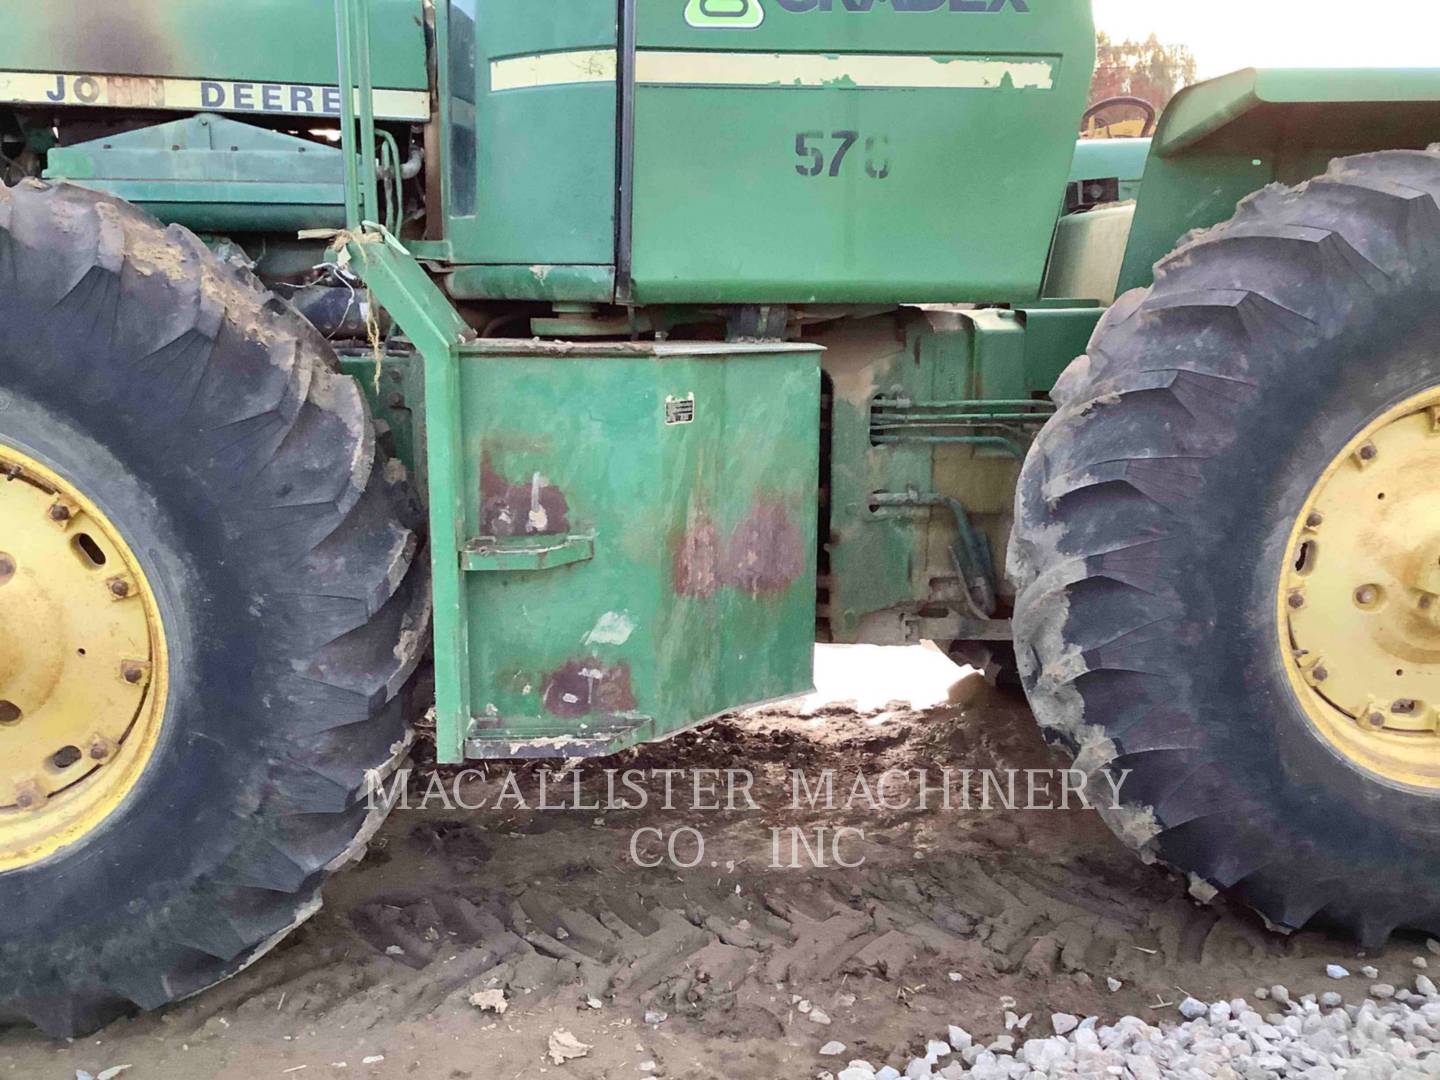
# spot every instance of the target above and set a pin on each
(1228, 34)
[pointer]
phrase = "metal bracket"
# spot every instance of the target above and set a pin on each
(487, 553)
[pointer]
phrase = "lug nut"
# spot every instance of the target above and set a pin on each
(119, 588)
(101, 748)
(28, 795)
(1320, 674)
(1296, 601)
(1314, 521)
(59, 512)
(1368, 452)
(132, 673)
(1375, 720)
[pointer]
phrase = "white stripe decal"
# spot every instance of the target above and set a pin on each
(861, 71)
(655, 67)
(553, 69)
(200, 95)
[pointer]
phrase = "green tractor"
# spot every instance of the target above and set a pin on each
(623, 349)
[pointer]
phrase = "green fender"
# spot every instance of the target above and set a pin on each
(1221, 140)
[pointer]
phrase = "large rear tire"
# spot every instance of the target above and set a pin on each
(189, 419)
(1161, 553)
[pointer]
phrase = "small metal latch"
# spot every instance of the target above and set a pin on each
(491, 554)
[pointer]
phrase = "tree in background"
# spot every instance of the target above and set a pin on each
(1143, 69)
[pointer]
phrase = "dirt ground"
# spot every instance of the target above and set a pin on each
(729, 968)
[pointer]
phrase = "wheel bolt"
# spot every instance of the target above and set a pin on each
(101, 748)
(132, 673)
(1296, 601)
(59, 512)
(28, 795)
(1314, 521)
(1320, 674)
(1368, 452)
(119, 588)
(1375, 720)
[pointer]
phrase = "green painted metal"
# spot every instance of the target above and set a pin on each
(699, 596)
(1088, 253)
(503, 557)
(212, 173)
(530, 170)
(931, 412)
(1111, 159)
(430, 320)
(258, 41)
(539, 281)
(1225, 139)
(943, 193)
(395, 389)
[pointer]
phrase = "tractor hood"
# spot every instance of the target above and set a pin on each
(263, 56)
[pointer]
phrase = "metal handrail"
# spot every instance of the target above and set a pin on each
(352, 32)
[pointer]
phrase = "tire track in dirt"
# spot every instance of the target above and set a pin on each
(951, 914)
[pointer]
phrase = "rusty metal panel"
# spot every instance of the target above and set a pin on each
(642, 555)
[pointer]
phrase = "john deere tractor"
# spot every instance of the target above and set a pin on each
(622, 348)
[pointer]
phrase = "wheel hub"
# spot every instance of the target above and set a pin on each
(82, 664)
(1359, 600)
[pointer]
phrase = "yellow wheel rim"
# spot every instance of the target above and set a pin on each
(83, 672)
(1359, 599)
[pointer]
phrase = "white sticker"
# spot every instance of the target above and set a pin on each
(680, 410)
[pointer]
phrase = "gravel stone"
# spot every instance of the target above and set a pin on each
(1192, 1009)
(1064, 1023)
(1385, 1037)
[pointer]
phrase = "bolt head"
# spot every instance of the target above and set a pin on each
(1368, 452)
(120, 588)
(1321, 674)
(1314, 521)
(59, 513)
(132, 673)
(1375, 719)
(1296, 600)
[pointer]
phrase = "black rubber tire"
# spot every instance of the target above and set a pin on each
(1152, 521)
(206, 419)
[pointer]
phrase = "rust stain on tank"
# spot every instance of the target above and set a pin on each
(587, 686)
(696, 565)
(766, 553)
(534, 507)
